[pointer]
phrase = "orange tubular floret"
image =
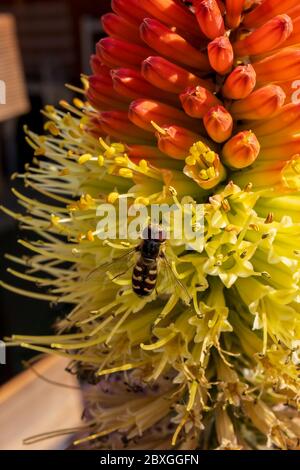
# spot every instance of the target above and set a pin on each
(171, 45)
(170, 77)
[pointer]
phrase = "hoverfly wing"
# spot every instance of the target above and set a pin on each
(117, 265)
(179, 287)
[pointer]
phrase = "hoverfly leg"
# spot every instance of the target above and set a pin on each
(187, 298)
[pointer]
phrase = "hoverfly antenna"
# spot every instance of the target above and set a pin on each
(162, 234)
(146, 234)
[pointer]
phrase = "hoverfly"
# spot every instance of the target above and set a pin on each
(145, 269)
(144, 276)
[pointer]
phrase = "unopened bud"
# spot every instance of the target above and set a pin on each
(220, 54)
(240, 83)
(209, 18)
(218, 123)
(197, 101)
(241, 150)
(260, 104)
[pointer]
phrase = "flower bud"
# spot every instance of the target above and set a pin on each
(221, 6)
(267, 10)
(266, 38)
(218, 123)
(116, 26)
(260, 104)
(170, 77)
(240, 83)
(97, 66)
(241, 150)
(286, 121)
(276, 152)
(131, 10)
(117, 53)
(197, 101)
(102, 95)
(142, 112)
(116, 124)
(294, 38)
(173, 14)
(220, 54)
(136, 153)
(234, 10)
(284, 65)
(176, 141)
(170, 44)
(130, 84)
(209, 18)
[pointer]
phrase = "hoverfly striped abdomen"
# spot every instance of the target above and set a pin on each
(144, 277)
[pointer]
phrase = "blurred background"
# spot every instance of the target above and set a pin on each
(43, 45)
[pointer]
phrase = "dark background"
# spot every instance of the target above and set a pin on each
(56, 38)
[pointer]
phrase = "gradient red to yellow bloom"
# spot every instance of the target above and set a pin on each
(188, 101)
(189, 57)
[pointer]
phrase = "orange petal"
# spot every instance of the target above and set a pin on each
(267, 10)
(278, 67)
(147, 152)
(220, 54)
(130, 83)
(97, 66)
(287, 120)
(117, 53)
(131, 10)
(280, 139)
(117, 124)
(294, 38)
(240, 83)
(218, 123)
(143, 112)
(293, 12)
(261, 175)
(94, 128)
(170, 77)
(171, 45)
(234, 10)
(260, 104)
(172, 14)
(280, 152)
(241, 150)
(118, 27)
(102, 95)
(221, 6)
(196, 101)
(176, 141)
(209, 18)
(266, 38)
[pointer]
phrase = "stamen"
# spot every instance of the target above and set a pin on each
(158, 128)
